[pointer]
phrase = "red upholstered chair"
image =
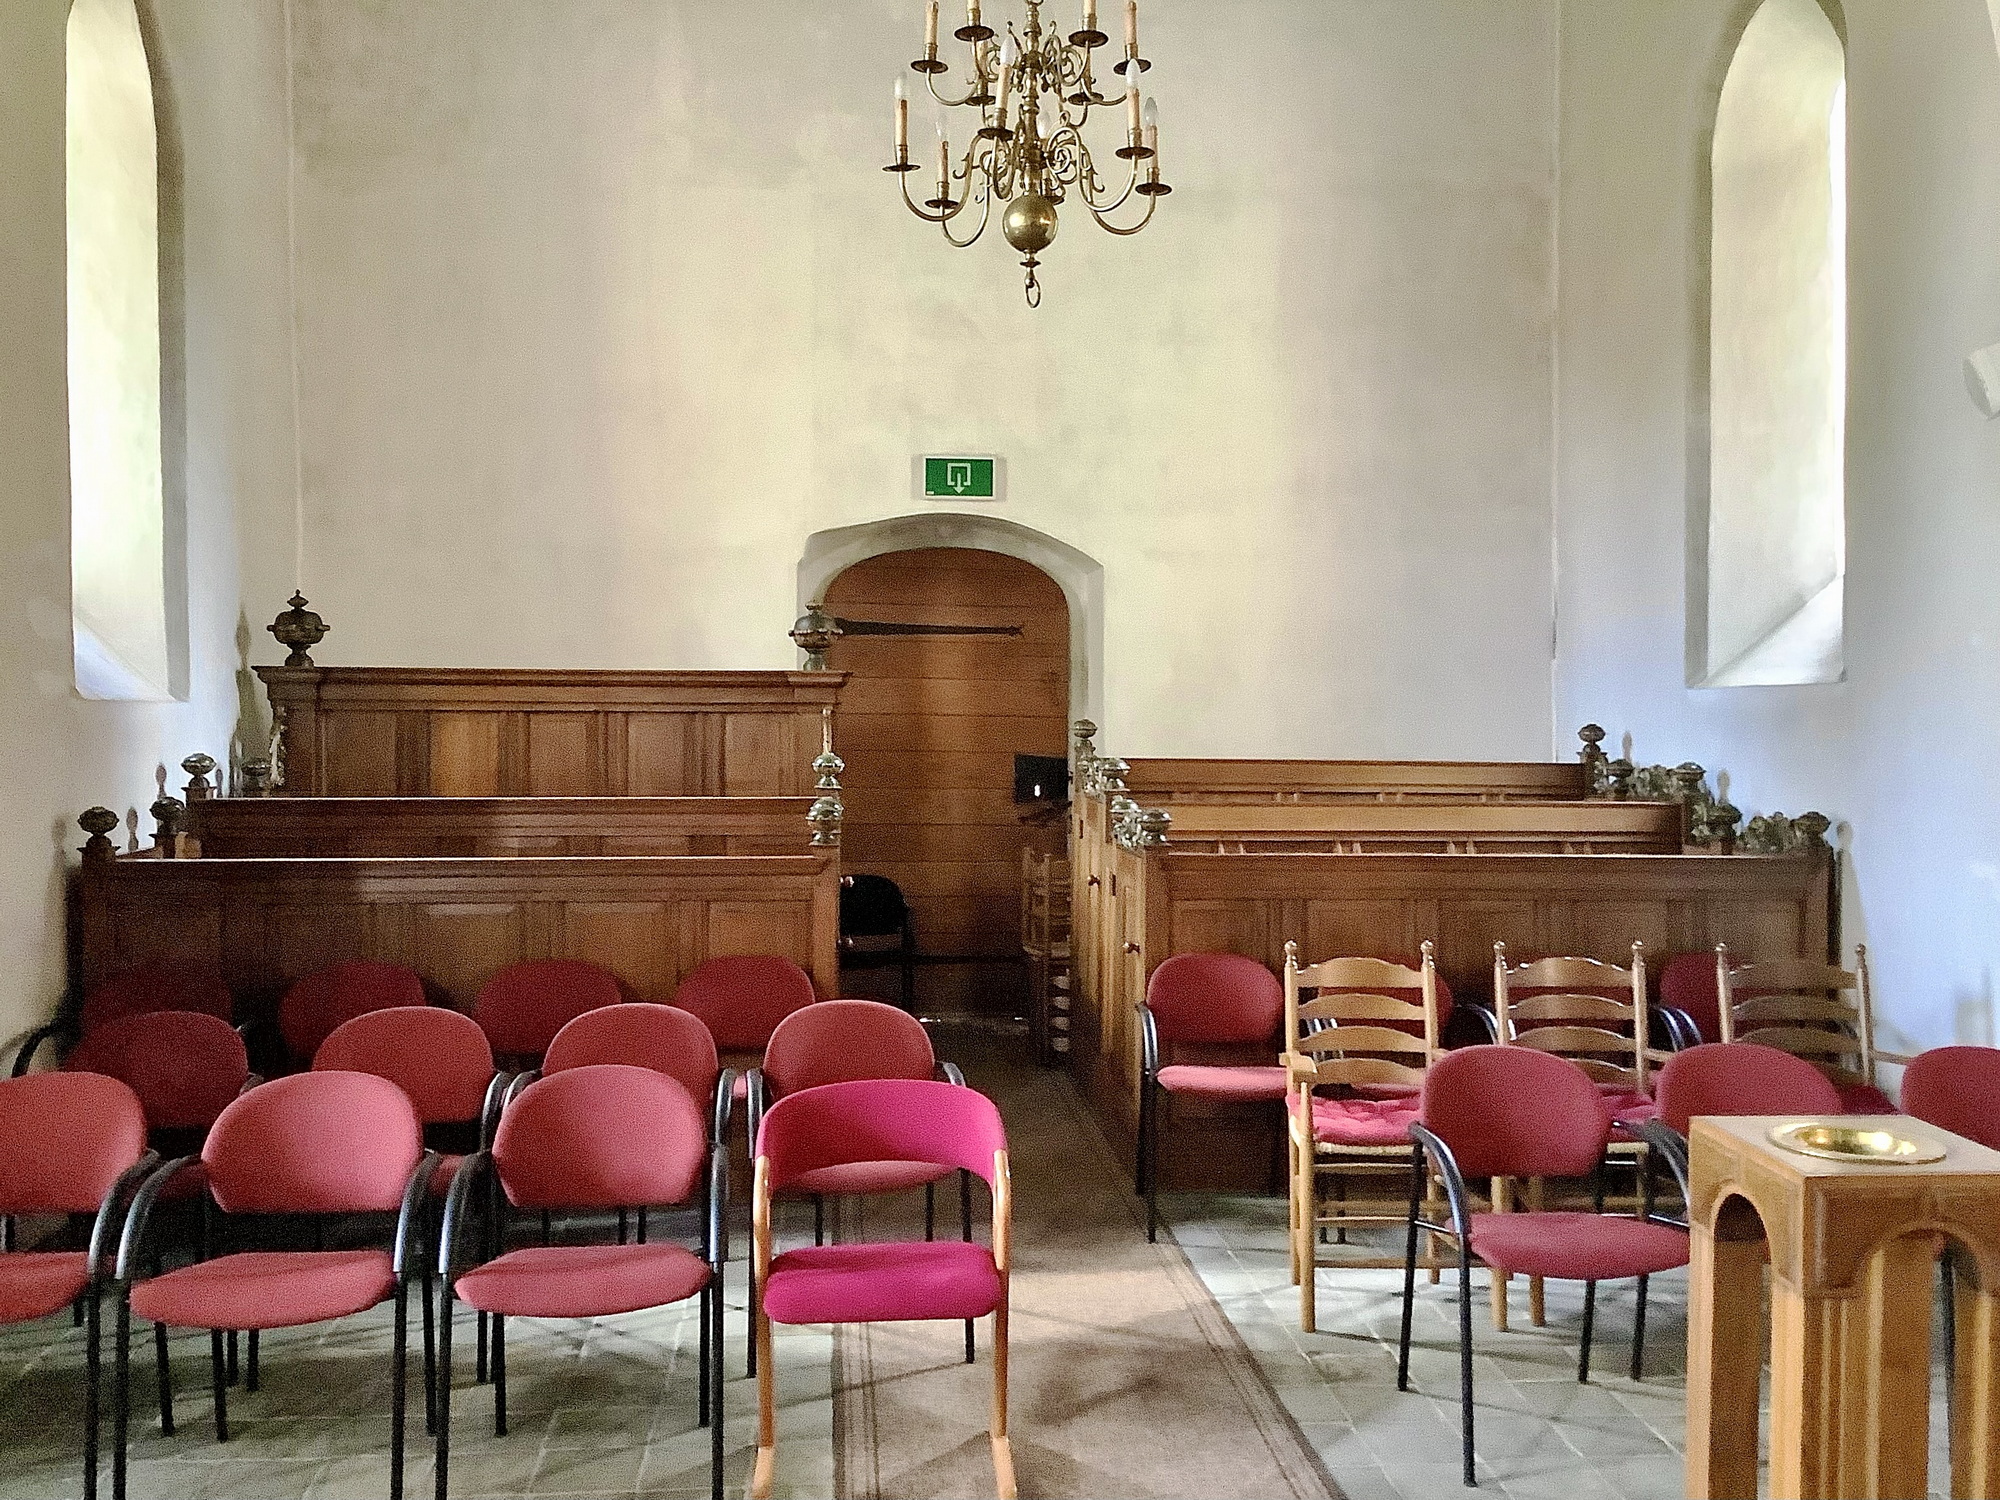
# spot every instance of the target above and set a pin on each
(742, 998)
(311, 1144)
(1957, 1089)
(523, 1006)
(185, 1067)
(1512, 1111)
(600, 1136)
(880, 1120)
(70, 1143)
(314, 1007)
(1732, 1078)
(1687, 985)
(661, 1037)
(153, 986)
(1198, 1007)
(1820, 1012)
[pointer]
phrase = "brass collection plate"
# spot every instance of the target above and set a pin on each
(1835, 1142)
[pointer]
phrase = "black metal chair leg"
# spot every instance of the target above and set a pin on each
(701, 1406)
(715, 1416)
(443, 1464)
(121, 1392)
(499, 1374)
(819, 1220)
(1409, 1282)
(624, 1227)
(642, 1223)
(233, 1372)
(218, 1370)
(93, 1358)
(165, 1374)
(970, 1351)
(479, 1359)
(930, 1211)
(1639, 1332)
(398, 1387)
(430, 1354)
(1149, 1171)
(250, 1363)
(1589, 1318)
(965, 1206)
(1465, 1360)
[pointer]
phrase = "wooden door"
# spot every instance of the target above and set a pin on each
(929, 726)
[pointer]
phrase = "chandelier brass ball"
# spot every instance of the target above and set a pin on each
(1029, 223)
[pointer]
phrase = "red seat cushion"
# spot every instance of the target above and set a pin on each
(883, 1283)
(583, 1281)
(1865, 1099)
(1362, 1122)
(1576, 1246)
(266, 1289)
(35, 1283)
(868, 1177)
(1243, 1084)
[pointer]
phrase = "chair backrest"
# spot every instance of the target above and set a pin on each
(838, 1041)
(661, 1037)
(314, 1007)
(1812, 1010)
(881, 1119)
(601, 1136)
(1957, 1089)
(64, 1139)
(439, 1058)
(314, 1143)
(1740, 1078)
(871, 906)
(1584, 1009)
(185, 1066)
(1359, 1025)
(1215, 999)
(523, 1006)
(157, 985)
(1515, 1112)
(742, 997)
(1687, 984)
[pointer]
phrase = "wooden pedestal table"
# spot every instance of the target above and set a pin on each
(1852, 1246)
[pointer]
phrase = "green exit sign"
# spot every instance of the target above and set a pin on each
(958, 478)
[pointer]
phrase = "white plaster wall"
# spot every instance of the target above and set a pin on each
(63, 753)
(1901, 751)
(607, 307)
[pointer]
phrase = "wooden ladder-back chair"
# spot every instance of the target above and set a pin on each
(1820, 1012)
(1369, 1025)
(1595, 1015)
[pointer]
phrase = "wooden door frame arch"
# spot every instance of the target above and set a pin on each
(830, 553)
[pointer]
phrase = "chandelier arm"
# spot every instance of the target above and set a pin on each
(1102, 223)
(930, 82)
(1099, 209)
(921, 212)
(985, 212)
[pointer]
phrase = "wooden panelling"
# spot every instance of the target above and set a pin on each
(929, 727)
(266, 922)
(406, 827)
(473, 732)
(1430, 826)
(1354, 780)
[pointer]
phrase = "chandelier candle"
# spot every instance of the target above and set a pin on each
(1032, 92)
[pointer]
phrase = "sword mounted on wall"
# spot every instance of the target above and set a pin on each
(816, 630)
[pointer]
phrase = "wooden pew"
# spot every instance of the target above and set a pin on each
(1180, 781)
(478, 732)
(263, 923)
(1429, 827)
(403, 827)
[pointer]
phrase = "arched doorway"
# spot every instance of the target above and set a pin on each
(930, 726)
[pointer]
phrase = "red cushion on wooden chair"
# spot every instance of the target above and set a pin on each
(661, 1037)
(64, 1140)
(314, 1008)
(1577, 1246)
(879, 1283)
(601, 1136)
(1239, 1084)
(583, 1281)
(35, 1283)
(839, 1041)
(523, 1006)
(1687, 984)
(743, 997)
(185, 1066)
(1360, 1122)
(1510, 1111)
(1214, 998)
(266, 1289)
(158, 984)
(1740, 1078)
(439, 1058)
(1957, 1089)
(1864, 1099)
(312, 1143)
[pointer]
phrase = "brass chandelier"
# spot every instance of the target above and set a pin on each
(1034, 93)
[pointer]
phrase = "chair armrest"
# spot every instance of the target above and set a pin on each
(490, 1107)
(114, 1208)
(1149, 1044)
(951, 1073)
(718, 1211)
(455, 1211)
(410, 1217)
(723, 1109)
(1672, 1147)
(53, 1031)
(1428, 1144)
(756, 1101)
(138, 1218)
(1299, 1070)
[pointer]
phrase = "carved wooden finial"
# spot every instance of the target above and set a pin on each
(198, 767)
(1811, 828)
(167, 815)
(98, 822)
(1618, 776)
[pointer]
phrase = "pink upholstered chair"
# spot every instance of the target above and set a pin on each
(70, 1143)
(1731, 1078)
(1203, 1007)
(1512, 1111)
(312, 1144)
(523, 1006)
(1957, 1089)
(742, 998)
(880, 1120)
(314, 1008)
(1687, 985)
(184, 1065)
(664, 1038)
(603, 1135)
(157, 985)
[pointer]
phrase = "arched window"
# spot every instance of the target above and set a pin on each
(117, 515)
(1775, 542)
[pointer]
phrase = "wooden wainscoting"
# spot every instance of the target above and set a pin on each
(1154, 780)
